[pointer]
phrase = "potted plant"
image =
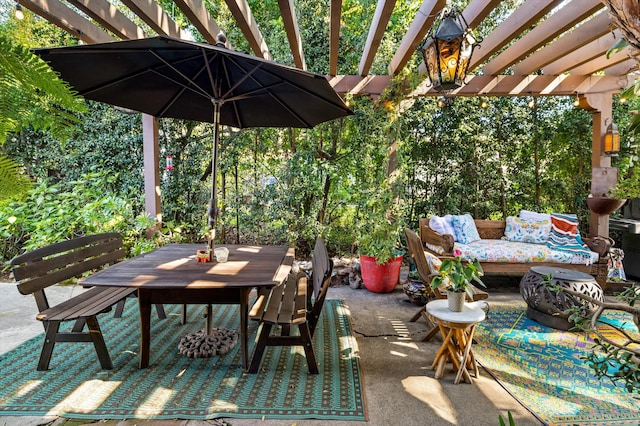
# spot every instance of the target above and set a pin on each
(456, 276)
(380, 259)
(415, 289)
(627, 188)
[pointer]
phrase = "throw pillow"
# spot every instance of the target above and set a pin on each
(434, 262)
(442, 225)
(534, 216)
(465, 228)
(565, 235)
(523, 231)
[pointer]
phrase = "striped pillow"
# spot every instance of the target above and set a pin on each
(565, 236)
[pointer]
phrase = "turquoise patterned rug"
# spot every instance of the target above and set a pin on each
(177, 387)
(541, 367)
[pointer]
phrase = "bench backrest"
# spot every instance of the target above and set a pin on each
(43, 267)
(322, 267)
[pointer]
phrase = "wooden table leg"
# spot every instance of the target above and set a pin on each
(244, 334)
(145, 327)
(468, 341)
(441, 357)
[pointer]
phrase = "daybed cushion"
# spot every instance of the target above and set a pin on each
(516, 252)
(465, 229)
(524, 231)
(442, 225)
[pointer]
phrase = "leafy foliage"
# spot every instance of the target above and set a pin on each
(31, 94)
(54, 212)
(614, 358)
(458, 276)
(12, 181)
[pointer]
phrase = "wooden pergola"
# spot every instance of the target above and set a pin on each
(543, 48)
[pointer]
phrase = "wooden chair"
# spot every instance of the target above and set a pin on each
(296, 302)
(426, 273)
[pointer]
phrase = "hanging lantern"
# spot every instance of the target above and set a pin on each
(169, 165)
(447, 53)
(611, 142)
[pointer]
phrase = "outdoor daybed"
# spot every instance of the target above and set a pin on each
(513, 246)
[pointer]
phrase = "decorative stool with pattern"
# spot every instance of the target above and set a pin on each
(547, 308)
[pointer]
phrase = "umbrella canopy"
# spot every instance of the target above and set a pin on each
(167, 77)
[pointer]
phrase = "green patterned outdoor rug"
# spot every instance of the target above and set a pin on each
(541, 367)
(177, 387)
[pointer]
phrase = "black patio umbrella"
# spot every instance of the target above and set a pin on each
(167, 77)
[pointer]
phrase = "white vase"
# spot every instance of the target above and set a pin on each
(456, 300)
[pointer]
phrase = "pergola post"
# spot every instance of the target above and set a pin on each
(151, 168)
(603, 177)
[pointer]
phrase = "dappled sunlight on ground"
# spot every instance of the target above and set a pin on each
(430, 392)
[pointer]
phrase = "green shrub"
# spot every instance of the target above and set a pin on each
(52, 212)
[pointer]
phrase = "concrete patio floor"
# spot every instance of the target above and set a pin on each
(400, 387)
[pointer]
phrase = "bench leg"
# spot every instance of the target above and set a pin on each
(286, 330)
(51, 328)
(120, 308)
(78, 326)
(305, 336)
(160, 311)
(183, 315)
(98, 342)
(261, 344)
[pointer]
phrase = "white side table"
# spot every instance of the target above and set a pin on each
(457, 337)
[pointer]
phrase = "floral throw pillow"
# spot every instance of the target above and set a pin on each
(465, 229)
(524, 231)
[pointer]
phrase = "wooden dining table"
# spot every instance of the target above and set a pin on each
(171, 274)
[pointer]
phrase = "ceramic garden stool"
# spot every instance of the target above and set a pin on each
(547, 308)
(457, 337)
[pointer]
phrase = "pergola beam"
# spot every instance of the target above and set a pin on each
(371, 85)
(532, 85)
(111, 18)
(69, 20)
(244, 18)
(198, 15)
(477, 10)
(376, 31)
(585, 33)
(525, 16)
(288, 12)
(153, 15)
(601, 62)
(567, 17)
(582, 55)
(334, 35)
(415, 34)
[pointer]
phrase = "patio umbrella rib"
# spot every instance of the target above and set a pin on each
(190, 80)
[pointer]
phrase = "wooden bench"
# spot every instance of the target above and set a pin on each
(296, 302)
(44, 267)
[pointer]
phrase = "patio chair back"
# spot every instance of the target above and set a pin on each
(322, 267)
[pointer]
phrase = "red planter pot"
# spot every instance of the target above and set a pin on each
(380, 278)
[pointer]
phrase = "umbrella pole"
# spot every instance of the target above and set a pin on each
(213, 203)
